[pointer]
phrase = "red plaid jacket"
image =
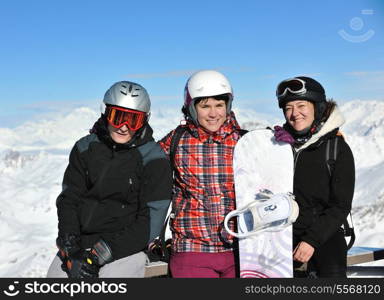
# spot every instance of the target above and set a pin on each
(203, 191)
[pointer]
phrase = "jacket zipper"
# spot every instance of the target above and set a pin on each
(295, 158)
(102, 175)
(130, 184)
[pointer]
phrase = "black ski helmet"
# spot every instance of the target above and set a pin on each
(302, 88)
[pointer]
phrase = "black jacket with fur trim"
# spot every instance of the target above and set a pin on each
(324, 200)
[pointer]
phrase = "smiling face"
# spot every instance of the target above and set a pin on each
(300, 114)
(211, 113)
(121, 135)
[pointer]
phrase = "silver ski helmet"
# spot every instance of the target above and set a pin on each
(128, 95)
(204, 84)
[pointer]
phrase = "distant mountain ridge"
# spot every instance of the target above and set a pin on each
(34, 155)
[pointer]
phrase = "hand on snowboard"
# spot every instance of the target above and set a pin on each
(268, 212)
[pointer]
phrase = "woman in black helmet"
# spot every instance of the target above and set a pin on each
(323, 191)
(116, 192)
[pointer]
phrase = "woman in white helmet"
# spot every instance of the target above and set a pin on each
(116, 192)
(203, 184)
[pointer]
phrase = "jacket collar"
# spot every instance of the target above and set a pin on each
(230, 125)
(334, 121)
(141, 137)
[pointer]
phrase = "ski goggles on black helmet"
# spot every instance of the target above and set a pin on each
(118, 117)
(300, 88)
(295, 86)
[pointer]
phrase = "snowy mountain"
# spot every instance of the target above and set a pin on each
(364, 131)
(34, 155)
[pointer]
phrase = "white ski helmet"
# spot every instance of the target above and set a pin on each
(129, 95)
(205, 83)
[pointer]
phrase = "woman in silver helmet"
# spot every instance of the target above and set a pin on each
(116, 192)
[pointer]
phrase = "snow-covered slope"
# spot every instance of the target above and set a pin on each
(364, 131)
(56, 132)
(34, 155)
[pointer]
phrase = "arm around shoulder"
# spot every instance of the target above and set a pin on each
(158, 191)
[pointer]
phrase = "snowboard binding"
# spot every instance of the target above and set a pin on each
(269, 212)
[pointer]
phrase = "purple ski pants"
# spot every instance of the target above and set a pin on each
(202, 265)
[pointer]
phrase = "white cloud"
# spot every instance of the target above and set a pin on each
(376, 75)
(174, 73)
(368, 81)
(184, 73)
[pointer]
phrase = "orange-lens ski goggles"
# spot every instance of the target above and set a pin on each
(118, 117)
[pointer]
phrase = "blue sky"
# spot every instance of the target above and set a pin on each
(62, 54)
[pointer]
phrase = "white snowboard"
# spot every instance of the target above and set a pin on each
(262, 163)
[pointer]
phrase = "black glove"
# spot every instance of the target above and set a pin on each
(83, 264)
(68, 245)
(159, 250)
(87, 263)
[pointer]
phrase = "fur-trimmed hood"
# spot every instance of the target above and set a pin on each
(334, 121)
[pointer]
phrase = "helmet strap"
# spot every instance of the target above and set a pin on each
(102, 108)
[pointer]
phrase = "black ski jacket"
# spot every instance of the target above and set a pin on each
(117, 192)
(324, 200)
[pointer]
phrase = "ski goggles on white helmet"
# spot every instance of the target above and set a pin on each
(118, 117)
(295, 86)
